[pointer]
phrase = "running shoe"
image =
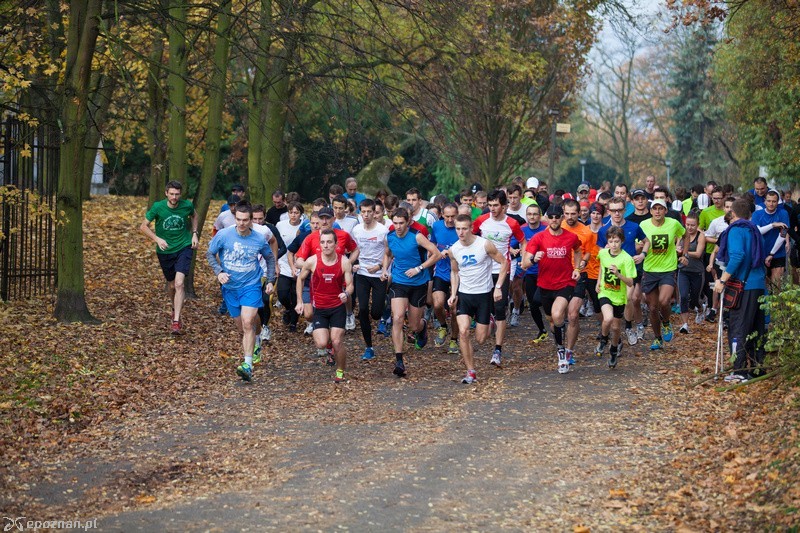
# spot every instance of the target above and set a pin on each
(601, 347)
(630, 334)
(427, 314)
(657, 344)
(542, 336)
(330, 361)
(711, 316)
(350, 322)
(514, 320)
(309, 329)
(422, 336)
(245, 372)
(640, 331)
(382, 329)
(471, 377)
(441, 336)
(666, 332)
(322, 352)
(684, 328)
(453, 348)
(612, 358)
(563, 363)
(369, 354)
(736, 378)
(571, 357)
(399, 369)
(676, 309)
(701, 315)
(257, 352)
(496, 359)
(589, 309)
(266, 333)
(339, 376)
(175, 329)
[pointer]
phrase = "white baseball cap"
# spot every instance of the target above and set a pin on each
(532, 183)
(660, 202)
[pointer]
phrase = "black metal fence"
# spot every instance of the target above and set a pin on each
(29, 159)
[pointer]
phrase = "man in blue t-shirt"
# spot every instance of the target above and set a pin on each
(530, 276)
(443, 235)
(773, 222)
(350, 186)
(234, 256)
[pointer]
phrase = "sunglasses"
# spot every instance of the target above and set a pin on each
(616, 210)
(553, 217)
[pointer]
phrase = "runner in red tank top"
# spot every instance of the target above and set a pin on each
(331, 286)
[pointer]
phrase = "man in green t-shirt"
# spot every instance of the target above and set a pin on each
(617, 273)
(174, 243)
(660, 265)
(711, 212)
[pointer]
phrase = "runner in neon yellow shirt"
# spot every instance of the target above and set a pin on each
(617, 272)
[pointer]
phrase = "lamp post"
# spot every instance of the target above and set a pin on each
(583, 170)
(669, 165)
(554, 114)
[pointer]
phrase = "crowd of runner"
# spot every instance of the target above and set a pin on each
(468, 267)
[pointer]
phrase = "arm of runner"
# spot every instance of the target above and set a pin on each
(387, 260)
(347, 269)
(213, 261)
(353, 258)
(308, 268)
(491, 251)
(433, 252)
(195, 235)
(527, 255)
(454, 281)
(145, 228)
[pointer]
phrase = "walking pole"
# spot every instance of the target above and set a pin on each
(720, 363)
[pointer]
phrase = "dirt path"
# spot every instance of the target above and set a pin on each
(525, 448)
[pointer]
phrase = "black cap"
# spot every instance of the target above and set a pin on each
(237, 187)
(233, 199)
(476, 187)
(638, 192)
(554, 210)
(325, 212)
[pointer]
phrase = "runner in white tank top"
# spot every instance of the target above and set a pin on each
(471, 262)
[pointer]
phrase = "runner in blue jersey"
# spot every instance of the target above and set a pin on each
(405, 251)
(238, 270)
(534, 215)
(443, 235)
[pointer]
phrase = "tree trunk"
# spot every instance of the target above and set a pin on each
(155, 121)
(255, 108)
(176, 84)
(81, 41)
(273, 132)
(103, 92)
(216, 103)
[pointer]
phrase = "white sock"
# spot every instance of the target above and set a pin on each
(248, 360)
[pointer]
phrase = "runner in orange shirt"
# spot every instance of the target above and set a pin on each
(588, 239)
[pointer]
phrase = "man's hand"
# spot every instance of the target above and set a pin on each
(538, 256)
(411, 272)
(638, 258)
(343, 296)
(373, 269)
(162, 244)
(452, 301)
(223, 277)
(719, 286)
(498, 294)
(195, 241)
(269, 288)
(768, 260)
(299, 308)
(576, 274)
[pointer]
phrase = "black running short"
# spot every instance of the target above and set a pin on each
(548, 297)
(180, 261)
(441, 285)
(333, 317)
(619, 310)
(416, 295)
(478, 306)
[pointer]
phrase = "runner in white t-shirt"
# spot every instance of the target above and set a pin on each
(370, 236)
(289, 230)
